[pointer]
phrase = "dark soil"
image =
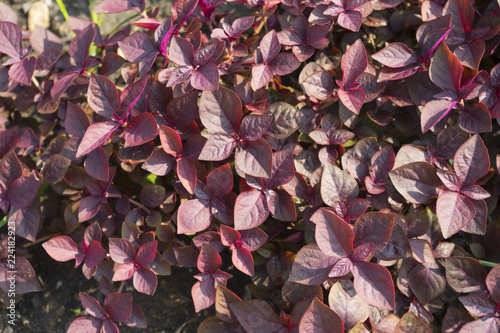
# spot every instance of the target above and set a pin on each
(57, 305)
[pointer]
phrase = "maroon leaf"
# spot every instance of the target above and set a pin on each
(61, 248)
(206, 78)
(395, 55)
(140, 130)
(218, 147)
(254, 158)
(445, 70)
(102, 96)
(319, 318)
(427, 282)
(193, 216)
(465, 275)
(454, 212)
(22, 191)
(220, 110)
(186, 171)
(220, 181)
(118, 306)
(250, 210)
(478, 305)
(95, 136)
(121, 250)
(333, 235)
(373, 227)
(471, 160)
(97, 164)
(76, 121)
(374, 285)
(256, 316)
(417, 182)
(145, 281)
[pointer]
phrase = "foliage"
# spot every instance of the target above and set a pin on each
(338, 147)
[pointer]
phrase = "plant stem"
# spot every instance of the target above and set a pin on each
(126, 20)
(63, 10)
(138, 204)
(488, 263)
(37, 85)
(42, 239)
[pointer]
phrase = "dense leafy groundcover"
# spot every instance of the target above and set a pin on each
(341, 153)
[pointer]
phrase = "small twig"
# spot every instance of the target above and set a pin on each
(138, 204)
(42, 239)
(37, 85)
(120, 288)
(488, 263)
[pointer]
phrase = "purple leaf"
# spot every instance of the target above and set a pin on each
(22, 191)
(95, 136)
(193, 216)
(220, 110)
(76, 121)
(471, 160)
(256, 316)
(186, 171)
(478, 305)
(445, 70)
(337, 186)
(97, 164)
(286, 120)
(121, 250)
(22, 71)
(434, 111)
(465, 275)
(395, 55)
(102, 96)
(140, 130)
(145, 281)
(347, 304)
(11, 39)
(311, 265)
(170, 141)
(118, 306)
(333, 235)
(319, 318)
(206, 78)
(220, 181)
(373, 227)
(284, 64)
(85, 324)
(417, 182)
(250, 210)
(354, 63)
(61, 248)
(350, 20)
(118, 6)
(181, 51)
(138, 48)
(243, 260)
(454, 212)
(208, 260)
(261, 75)
(80, 46)
(254, 158)
(353, 99)
(218, 147)
(374, 285)
(270, 46)
(92, 306)
(254, 126)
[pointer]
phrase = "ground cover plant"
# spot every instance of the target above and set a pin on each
(344, 155)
